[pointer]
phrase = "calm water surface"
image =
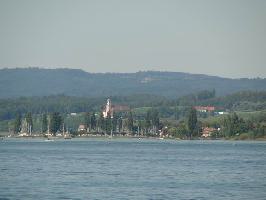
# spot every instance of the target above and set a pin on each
(132, 169)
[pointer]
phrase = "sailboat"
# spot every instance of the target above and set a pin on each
(111, 136)
(48, 132)
(66, 134)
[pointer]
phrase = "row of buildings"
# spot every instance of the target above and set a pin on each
(206, 109)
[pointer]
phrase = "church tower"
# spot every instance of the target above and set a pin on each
(108, 109)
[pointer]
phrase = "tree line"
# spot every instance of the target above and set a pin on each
(94, 123)
(150, 124)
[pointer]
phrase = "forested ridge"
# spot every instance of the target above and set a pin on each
(22, 82)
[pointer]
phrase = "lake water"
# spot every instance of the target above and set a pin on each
(132, 169)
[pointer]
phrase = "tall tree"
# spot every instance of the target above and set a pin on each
(130, 121)
(120, 124)
(28, 117)
(108, 122)
(55, 122)
(87, 120)
(181, 130)
(192, 122)
(139, 127)
(148, 121)
(93, 121)
(114, 122)
(101, 122)
(155, 119)
(233, 124)
(17, 123)
(44, 123)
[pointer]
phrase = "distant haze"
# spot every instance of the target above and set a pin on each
(216, 37)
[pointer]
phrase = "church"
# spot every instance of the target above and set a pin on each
(109, 109)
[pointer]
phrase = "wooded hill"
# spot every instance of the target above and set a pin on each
(75, 82)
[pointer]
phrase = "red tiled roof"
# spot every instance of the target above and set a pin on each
(208, 108)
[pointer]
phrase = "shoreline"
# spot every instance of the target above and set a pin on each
(128, 137)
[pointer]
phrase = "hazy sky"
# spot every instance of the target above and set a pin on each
(218, 37)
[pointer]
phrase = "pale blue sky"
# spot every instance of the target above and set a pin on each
(218, 37)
